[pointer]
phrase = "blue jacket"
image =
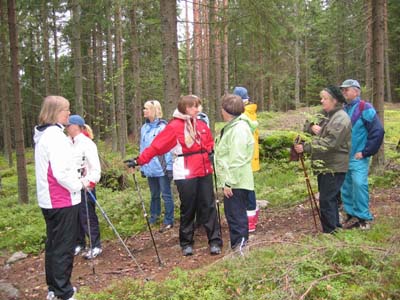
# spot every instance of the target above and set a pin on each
(367, 133)
(158, 165)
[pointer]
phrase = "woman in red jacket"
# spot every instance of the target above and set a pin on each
(190, 142)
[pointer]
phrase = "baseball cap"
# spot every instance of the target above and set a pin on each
(350, 83)
(242, 92)
(76, 120)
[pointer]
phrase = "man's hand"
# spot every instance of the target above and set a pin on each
(358, 155)
(316, 129)
(299, 148)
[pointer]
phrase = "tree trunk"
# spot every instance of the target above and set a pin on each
(169, 40)
(261, 79)
(188, 50)
(297, 67)
(120, 92)
(98, 99)
(368, 52)
(55, 49)
(205, 55)
(387, 64)
(379, 80)
(198, 82)
(4, 98)
(136, 104)
(225, 47)
(45, 43)
(76, 45)
(112, 120)
(17, 116)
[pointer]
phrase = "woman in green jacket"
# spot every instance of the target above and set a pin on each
(233, 155)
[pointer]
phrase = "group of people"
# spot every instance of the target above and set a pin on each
(184, 150)
(348, 133)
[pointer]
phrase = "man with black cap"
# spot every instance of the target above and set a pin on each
(366, 139)
(329, 151)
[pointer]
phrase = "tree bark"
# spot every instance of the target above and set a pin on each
(387, 64)
(205, 55)
(198, 82)
(19, 135)
(368, 52)
(169, 41)
(188, 50)
(76, 46)
(379, 80)
(225, 47)
(55, 49)
(45, 44)
(4, 98)
(120, 92)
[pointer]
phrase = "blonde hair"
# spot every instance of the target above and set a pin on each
(155, 108)
(51, 107)
(89, 131)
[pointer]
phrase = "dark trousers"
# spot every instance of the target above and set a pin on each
(252, 202)
(197, 194)
(61, 229)
(236, 215)
(94, 221)
(329, 185)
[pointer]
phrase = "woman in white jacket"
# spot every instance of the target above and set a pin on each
(58, 194)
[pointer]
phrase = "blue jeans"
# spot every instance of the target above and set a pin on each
(161, 186)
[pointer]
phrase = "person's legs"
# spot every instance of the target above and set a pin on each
(360, 190)
(329, 185)
(94, 221)
(187, 189)
(347, 192)
(252, 202)
(166, 192)
(235, 212)
(206, 204)
(155, 202)
(62, 229)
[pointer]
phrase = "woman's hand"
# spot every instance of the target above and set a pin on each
(299, 148)
(228, 192)
(316, 129)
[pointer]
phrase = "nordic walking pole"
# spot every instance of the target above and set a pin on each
(311, 196)
(146, 217)
(89, 230)
(115, 231)
(216, 197)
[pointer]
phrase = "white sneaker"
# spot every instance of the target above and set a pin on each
(50, 296)
(78, 249)
(93, 253)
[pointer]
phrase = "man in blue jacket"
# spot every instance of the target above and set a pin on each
(367, 136)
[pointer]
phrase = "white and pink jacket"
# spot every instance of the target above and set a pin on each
(57, 182)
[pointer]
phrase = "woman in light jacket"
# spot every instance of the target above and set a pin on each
(159, 170)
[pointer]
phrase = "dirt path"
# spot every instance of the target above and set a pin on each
(114, 263)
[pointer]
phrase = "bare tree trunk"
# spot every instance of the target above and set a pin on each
(297, 67)
(100, 63)
(261, 79)
(205, 54)
(136, 103)
(19, 135)
(169, 40)
(112, 120)
(188, 50)
(4, 99)
(368, 53)
(198, 82)
(45, 43)
(76, 42)
(379, 80)
(97, 61)
(225, 47)
(120, 93)
(387, 64)
(55, 49)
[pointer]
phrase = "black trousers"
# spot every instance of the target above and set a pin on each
(94, 221)
(236, 215)
(62, 230)
(329, 185)
(197, 194)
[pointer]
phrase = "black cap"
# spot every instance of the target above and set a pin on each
(336, 93)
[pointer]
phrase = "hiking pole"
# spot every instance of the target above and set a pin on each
(146, 217)
(216, 197)
(89, 230)
(115, 231)
(311, 196)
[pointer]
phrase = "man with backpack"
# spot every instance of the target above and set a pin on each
(367, 137)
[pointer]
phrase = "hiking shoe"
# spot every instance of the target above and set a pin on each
(166, 227)
(50, 296)
(187, 251)
(351, 223)
(93, 253)
(78, 250)
(364, 225)
(215, 250)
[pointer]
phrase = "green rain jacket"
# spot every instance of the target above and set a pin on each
(234, 152)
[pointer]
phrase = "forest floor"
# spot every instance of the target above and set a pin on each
(277, 225)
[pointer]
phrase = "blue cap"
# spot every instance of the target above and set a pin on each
(350, 83)
(242, 92)
(76, 120)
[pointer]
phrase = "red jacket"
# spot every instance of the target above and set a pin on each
(188, 162)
